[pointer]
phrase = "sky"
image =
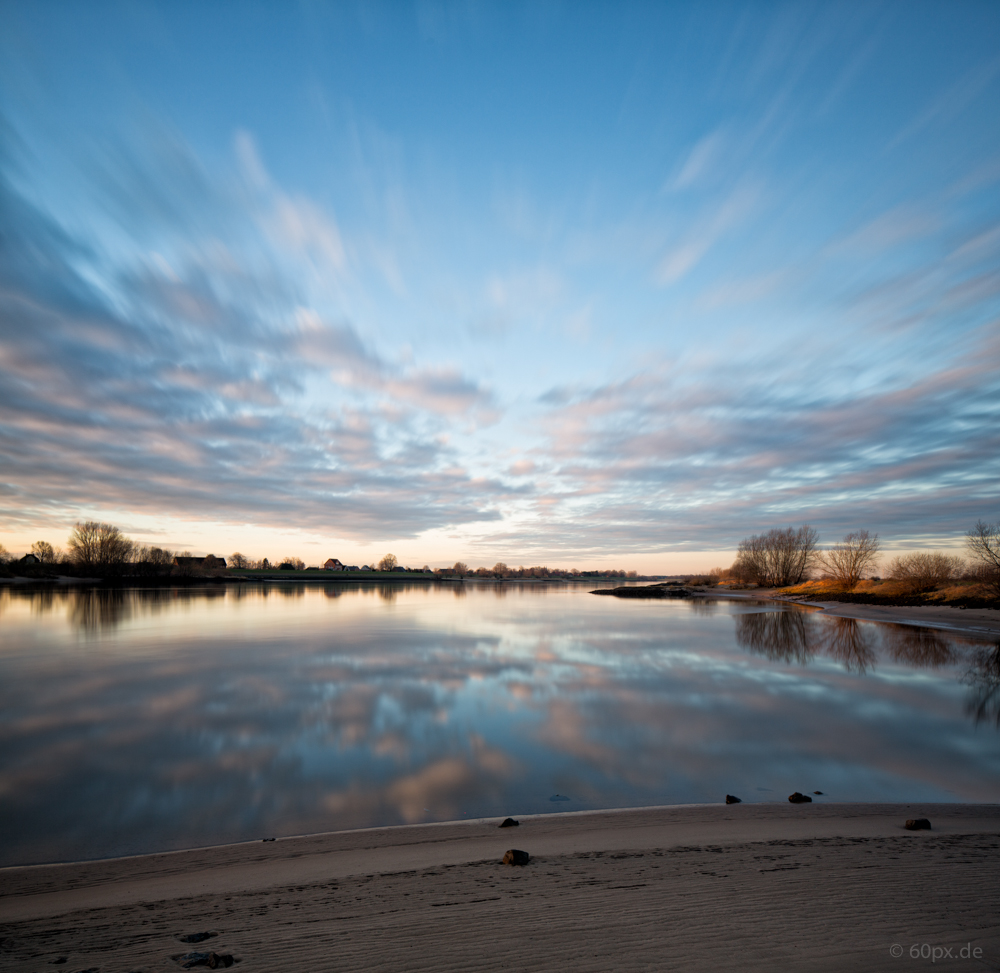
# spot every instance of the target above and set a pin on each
(581, 284)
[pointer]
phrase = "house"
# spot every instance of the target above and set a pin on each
(332, 564)
(30, 559)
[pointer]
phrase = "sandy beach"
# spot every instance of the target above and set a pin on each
(747, 886)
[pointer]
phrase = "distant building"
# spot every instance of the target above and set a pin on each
(30, 559)
(333, 564)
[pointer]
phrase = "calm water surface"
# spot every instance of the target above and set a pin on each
(143, 720)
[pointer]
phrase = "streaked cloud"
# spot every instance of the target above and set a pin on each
(505, 306)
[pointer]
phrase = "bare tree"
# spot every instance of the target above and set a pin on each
(160, 557)
(292, 564)
(103, 547)
(5, 556)
(149, 562)
(923, 571)
(501, 570)
(388, 563)
(777, 558)
(849, 560)
(237, 560)
(44, 551)
(460, 568)
(983, 543)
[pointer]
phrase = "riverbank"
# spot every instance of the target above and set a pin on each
(297, 577)
(974, 622)
(811, 887)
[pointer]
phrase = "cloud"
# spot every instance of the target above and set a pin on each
(667, 459)
(188, 381)
(700, 161)
(721, 220)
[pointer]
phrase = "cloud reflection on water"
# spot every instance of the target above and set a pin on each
(132, 720)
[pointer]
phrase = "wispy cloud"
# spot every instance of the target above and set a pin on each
(201, 386)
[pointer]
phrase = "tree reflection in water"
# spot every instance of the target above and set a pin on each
(924, 647)
(797, 637)
(98, 609)
(849, 642)
(783, 636)
(983, 678)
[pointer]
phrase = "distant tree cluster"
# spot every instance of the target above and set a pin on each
(500, 570)
(100, 550)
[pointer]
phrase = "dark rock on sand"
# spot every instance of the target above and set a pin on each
(510, 823)
(733, 799)
(267, 839)
(198, 937)
(918, 824)
(515, 857)
(798, 798)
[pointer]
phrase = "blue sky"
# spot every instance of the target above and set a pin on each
(574, 284)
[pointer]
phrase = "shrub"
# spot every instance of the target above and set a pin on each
(924, 571)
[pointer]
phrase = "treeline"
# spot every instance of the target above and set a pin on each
(780, 558)
(101, 550)
(96, 549)
(500, 570)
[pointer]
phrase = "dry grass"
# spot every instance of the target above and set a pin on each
(952, 591)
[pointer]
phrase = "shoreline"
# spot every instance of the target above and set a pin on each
(600, 886)
(973, 622)
(977, 623)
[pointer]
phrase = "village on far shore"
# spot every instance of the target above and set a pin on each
(788, 561)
